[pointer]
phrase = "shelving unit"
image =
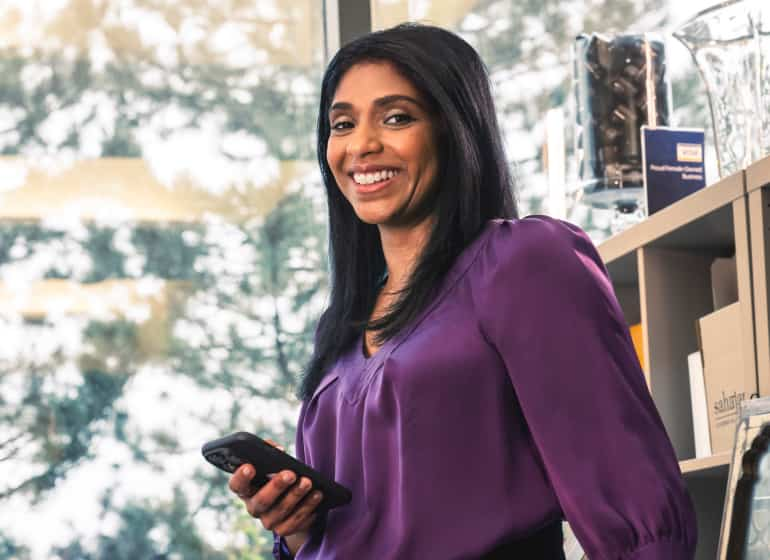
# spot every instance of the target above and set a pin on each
(758, 196)
(660, 271)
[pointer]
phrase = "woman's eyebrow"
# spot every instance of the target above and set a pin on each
(379, 102)
(388, 99)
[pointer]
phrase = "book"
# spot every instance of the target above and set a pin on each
(700, 417)
(572, 548)
(636, 338)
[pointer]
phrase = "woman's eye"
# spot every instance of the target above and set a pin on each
(342, 125)
(398, 118)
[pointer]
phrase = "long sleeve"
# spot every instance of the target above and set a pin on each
(280, 549)
(546, 305)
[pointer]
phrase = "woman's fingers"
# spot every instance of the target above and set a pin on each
(240, 481)
(266, 498)
(288, 527)
(285, 508)
(259, 500)
(302, 517)
(305, 526)
(283, 504)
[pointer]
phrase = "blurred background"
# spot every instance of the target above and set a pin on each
(163, 239)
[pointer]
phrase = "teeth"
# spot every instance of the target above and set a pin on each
(376, 177)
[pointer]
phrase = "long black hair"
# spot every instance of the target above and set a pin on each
(474, 185)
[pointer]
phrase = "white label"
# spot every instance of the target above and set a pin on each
(689, 152)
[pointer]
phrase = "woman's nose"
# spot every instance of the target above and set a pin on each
(363, 140)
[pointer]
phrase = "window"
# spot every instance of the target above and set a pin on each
(162, 265)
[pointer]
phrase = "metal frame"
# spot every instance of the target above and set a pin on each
(344, 20)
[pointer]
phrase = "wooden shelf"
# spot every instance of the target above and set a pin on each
(702, 221)
(706, 465)
(758, 175)
(687, 224)
(661, 273)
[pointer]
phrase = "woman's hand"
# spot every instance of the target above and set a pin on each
(283, 505)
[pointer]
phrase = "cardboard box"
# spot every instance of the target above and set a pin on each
(720, 335)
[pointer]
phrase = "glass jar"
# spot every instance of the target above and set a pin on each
(620, 85)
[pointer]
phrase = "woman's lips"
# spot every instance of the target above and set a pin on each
(373, 187)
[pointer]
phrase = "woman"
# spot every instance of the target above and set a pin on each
(473, 381)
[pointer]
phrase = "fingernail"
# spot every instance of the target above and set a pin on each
(316, 496)
(288, 477)
(247, 471)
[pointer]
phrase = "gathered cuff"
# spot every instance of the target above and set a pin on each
(662, 549)
(281, 549)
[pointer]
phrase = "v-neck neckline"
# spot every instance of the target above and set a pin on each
(362, 347)
(359, 369)
(385, 347)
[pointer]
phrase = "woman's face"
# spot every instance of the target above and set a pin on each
(382, 149)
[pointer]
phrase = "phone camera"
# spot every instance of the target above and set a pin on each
(218, 459)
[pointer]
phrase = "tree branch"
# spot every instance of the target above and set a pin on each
(8, 442)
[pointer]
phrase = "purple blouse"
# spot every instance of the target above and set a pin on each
(513, 401)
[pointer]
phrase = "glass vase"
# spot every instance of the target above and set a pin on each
(761, 18)
(730, 46)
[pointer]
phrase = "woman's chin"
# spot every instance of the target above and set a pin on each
(394, 219)
(374, 218)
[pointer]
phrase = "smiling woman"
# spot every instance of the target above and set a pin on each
(382, 149)
(455, 370)
(382, 153)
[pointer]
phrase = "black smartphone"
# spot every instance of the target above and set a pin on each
(230, 452)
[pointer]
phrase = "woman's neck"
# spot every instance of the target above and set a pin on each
(401, 247)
